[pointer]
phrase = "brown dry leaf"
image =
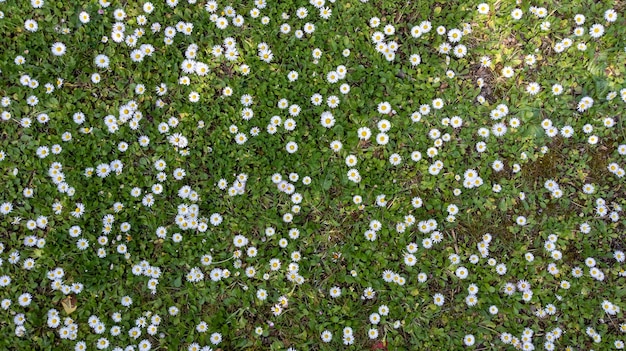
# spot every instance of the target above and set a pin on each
(69, 304)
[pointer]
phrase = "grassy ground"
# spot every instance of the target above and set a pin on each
(549, 204)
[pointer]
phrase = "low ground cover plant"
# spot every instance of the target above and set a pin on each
(312, 175)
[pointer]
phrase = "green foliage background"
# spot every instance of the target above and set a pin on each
(332, 226)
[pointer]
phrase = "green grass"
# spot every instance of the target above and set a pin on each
(330, 248)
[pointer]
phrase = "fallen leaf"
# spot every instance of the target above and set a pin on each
(379, 345)
(69, 304)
